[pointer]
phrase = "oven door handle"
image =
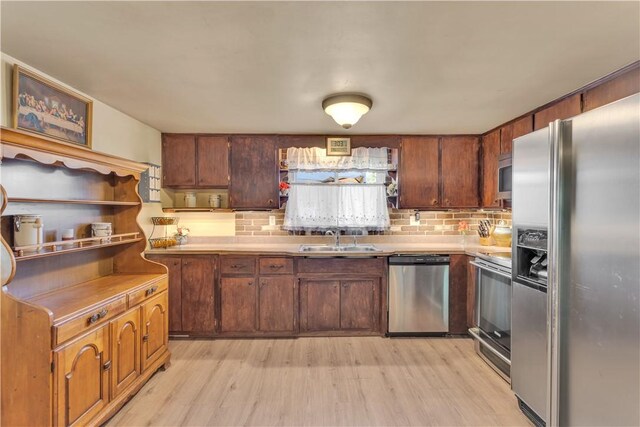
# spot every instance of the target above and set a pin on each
(498, 272)
(474, 333)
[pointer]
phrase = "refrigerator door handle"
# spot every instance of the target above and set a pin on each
(559, 205)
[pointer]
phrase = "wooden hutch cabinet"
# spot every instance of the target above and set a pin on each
(84, 321)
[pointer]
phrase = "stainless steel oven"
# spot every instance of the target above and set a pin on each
(493, 311)
(504, 177)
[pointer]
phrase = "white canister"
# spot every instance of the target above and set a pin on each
(28, 230)
(215, 200)
(190, 200)
(101, 229)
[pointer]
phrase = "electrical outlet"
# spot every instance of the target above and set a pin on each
(413, 220)
(272, 220)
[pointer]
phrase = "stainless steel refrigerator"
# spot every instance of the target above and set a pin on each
(576, 299)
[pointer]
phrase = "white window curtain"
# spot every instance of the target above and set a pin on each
(346, 205)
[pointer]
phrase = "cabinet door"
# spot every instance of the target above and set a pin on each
(82, 375)
(359, 304)
(213, 161)
(419, 177)
(238, 304)
(179, 161)
(319, 305)
(460, 171)
(174, 265)
(564, 109)
(198, 278)
(125, 351)
(490, 153)
(514, 130)
(155, 327)
(620, 87)
(472, 275)
(254, 176)
(458, 294)
(276, 304)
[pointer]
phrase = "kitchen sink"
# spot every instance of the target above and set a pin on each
(330, 248)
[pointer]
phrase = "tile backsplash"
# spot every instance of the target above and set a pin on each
(256, 223)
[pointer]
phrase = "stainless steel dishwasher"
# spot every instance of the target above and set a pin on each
(418, 295)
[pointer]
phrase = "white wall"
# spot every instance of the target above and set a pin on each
(113, 131)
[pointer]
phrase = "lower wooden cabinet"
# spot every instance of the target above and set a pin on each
(125, 351)
(192, 287)
(339, 305)
(96, 369)
(82, 378)
(237, 304)
(277, 304)
(155, 328)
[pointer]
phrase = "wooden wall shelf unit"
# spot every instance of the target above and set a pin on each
(84, 321)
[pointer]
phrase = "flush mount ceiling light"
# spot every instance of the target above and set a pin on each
(346, 109)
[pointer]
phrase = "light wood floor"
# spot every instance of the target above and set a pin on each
(324, 382)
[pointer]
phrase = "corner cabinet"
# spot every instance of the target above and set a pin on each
(94, 309)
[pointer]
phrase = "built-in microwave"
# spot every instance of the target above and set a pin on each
(504, 177)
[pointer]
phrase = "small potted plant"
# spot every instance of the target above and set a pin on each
(181, 235)
(463, 228)
(284, 188)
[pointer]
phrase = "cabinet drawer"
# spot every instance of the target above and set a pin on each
(136, 297)
(238, 265)
(99, 315)
(276, 266)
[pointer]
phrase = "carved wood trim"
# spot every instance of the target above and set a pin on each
(20, 144)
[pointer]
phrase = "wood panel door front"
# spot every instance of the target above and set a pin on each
(174, 265)
(155, 327)
(125, 351)
(419, 174)
(319, 305)
(514, 130)
(359, 306)
(254, 177)
(238, 304)
(198, 279)
(179, 161)
(460, 170)
(82, 375)
(213, 161)
(276, 302)
(490, 154)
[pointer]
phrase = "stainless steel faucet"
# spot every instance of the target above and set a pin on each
(336, 234)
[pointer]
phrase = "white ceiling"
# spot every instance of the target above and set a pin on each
(430, 67)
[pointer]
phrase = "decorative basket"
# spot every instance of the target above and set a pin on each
(162, 242)
(164, 220)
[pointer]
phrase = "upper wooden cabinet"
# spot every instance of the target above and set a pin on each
(191, 161)
(619, 87)
(564, 109)
(490, 153)
(212, 154)
(513, 130)
(254, 173)
(460, 171)
(419, 172)
(179, 161)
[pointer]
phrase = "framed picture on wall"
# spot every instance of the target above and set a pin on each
(338, 146)
(44, 107)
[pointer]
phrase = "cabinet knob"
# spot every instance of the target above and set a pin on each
(145, 338)
(107, 365)
(434, 202)
(276, 266)
(344, 285)
(151, 290)
(250, 283)
(270, 201)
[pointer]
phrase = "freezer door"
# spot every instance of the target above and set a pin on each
(598, 292)
(530, 195)
(529, 347)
